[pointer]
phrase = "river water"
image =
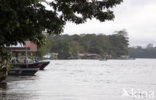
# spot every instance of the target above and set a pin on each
(86, 80)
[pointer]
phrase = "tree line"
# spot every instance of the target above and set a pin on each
(139, 52)
(68, 46)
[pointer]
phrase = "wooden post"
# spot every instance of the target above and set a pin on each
(26, 55)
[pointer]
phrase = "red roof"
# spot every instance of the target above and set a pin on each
(32, 46)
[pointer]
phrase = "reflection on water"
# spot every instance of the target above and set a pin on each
(83, 80)
(3, 87)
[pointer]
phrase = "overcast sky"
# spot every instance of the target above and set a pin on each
(138, 17)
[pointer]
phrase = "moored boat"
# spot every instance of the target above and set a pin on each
(103, 59)
(22, 71)
(43, 64)
(29, 65)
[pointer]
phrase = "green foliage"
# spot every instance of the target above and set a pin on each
(96, 49)
(6, 57)
(76, 48)
(71, 45)
(63, 48)
(22, 20)
(119, 43)
(45, 47)
(4, 62)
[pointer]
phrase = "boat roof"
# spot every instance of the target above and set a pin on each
(18, 48)
(28, 46)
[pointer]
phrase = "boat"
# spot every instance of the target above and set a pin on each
(22, 71)
(103, 59)
(40, 64)
(23, 65)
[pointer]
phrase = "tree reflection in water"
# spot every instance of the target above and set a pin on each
(3, 88)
